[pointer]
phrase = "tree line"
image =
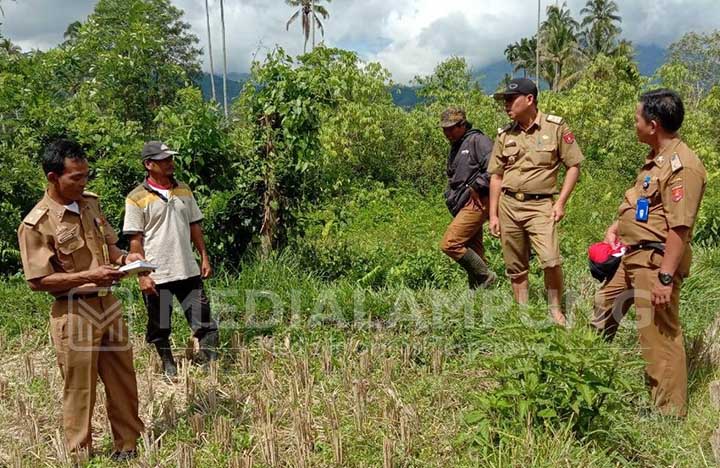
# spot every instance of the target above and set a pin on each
(304, 129)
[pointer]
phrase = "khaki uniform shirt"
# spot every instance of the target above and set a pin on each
(54, 239)
(529, 159)
(674, 183)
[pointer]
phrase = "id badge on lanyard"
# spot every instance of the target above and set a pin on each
(643, 204)
(643, 210)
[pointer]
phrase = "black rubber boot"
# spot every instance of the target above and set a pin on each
(166, 357)
(208, 348)
(479, 275)
(123, 456)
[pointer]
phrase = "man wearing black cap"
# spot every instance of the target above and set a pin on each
(524, 165)
(163, 219)
(467, 196)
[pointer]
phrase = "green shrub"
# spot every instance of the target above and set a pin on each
(547, 377)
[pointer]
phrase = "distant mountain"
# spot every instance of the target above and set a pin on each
(235, 84)
(650, 58)
(405, 96)
(491, 75)
(239, 77)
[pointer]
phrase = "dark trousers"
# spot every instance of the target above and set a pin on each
(193, 301)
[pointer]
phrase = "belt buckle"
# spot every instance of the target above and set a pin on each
(519, 196)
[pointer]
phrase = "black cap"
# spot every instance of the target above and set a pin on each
(606, 270)
(157, 151)
(604, 260)
(518, 86)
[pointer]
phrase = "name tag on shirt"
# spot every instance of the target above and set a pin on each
(643, 210)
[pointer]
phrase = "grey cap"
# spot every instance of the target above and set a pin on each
(156, 151)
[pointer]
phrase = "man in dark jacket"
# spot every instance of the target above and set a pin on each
(467, 196)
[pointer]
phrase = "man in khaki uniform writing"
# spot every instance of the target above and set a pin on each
(655, 222)
(68, 250)
(524, 166)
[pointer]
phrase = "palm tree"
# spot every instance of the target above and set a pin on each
(522, 55)
(624, 49)
(308, 10)
(210, 52)
(600, 25)
(504, 82)
(560, 44)
(511, 55)
(72, 31)
(8, 47)
(225, 73)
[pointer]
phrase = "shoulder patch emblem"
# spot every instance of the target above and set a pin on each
(34, 216)
(569, 138)
(90, 194)
(675, 163)
(678, 193)
(554, 119)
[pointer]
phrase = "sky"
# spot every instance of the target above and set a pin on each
(408, 37)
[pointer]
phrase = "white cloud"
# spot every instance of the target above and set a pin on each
(409, 37)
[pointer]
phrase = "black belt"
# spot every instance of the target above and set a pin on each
(519, 196)
(658, 246)
(66, 297)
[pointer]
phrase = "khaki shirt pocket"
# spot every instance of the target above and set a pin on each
(509, 155)
(631, 197)
(66, 251)
(651, 192)
(544, 155)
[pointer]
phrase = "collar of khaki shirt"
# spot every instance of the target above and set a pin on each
(57, 209)
(536, 123)
(664, 154)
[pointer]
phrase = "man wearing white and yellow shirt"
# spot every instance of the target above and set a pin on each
(163, 222)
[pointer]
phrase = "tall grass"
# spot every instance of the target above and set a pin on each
(359, 345)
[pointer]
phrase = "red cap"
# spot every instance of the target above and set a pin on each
(604, 259)
(600, 252)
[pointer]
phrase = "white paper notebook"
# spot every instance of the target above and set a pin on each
(138, 266)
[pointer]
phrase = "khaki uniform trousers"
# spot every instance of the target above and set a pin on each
(91, 340)
(659, 330)
(526, 224)
(466, 231)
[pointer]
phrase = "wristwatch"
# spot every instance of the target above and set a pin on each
(123, 258)
(666, 279)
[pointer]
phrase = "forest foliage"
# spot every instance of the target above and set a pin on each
(305, 131)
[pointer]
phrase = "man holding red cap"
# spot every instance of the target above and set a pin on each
(655, 221)
(524, 167)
